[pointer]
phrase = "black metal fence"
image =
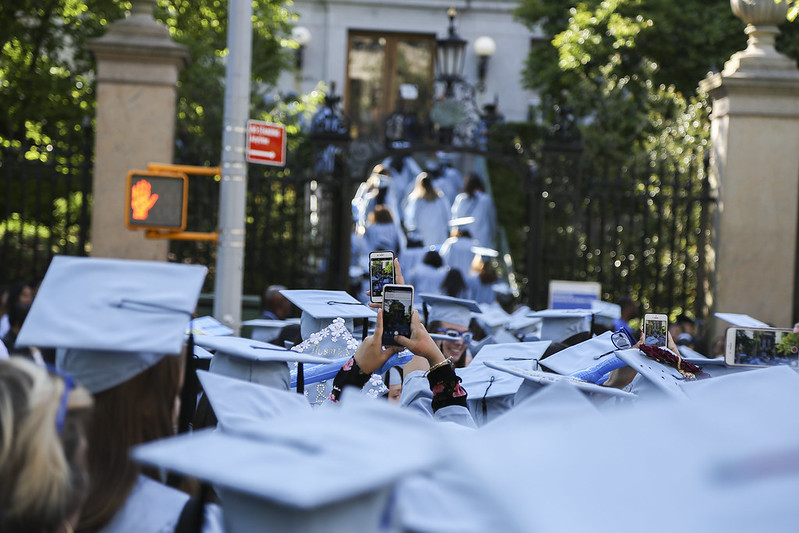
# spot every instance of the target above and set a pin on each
(639, 227)
(45, 202)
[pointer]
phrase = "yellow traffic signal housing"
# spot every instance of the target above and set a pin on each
(156, 200)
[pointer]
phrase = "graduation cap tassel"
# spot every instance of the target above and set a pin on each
(300, 379)
(188, 397)
(485, 406)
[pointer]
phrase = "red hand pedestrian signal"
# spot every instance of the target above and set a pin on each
(156, 200)
(141, 201)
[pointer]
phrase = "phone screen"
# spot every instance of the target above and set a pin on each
(762, 347)
(655, 329)
(381, 273)
(397, 309)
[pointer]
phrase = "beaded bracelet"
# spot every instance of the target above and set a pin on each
(447, 361)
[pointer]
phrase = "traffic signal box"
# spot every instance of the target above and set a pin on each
(156, 200)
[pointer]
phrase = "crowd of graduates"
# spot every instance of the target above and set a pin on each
(121, 411)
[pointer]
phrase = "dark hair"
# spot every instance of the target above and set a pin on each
(424, 188)
(381, 215)
(137, 411)
(473, 183)
(14, 292)
(453, 285)
(17, 314)
(433, 259)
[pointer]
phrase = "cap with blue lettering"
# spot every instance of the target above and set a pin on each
(111, 319)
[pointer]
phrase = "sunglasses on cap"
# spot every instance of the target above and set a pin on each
(622, 339)
(464, 336)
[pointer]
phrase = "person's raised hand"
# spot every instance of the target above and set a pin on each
(398, 280)
(371, 355)
(420, 342)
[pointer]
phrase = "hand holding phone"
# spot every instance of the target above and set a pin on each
(397, 311)
(381, 273)
(656, 327)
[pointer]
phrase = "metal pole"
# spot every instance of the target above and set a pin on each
(233, 189)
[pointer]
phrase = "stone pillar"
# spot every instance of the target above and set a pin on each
(137, 74)
(755, 165)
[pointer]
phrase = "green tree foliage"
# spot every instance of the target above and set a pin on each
(631, 67)
(47, 73)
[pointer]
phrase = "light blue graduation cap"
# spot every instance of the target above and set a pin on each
(492, 318)
(442, 308)
(254, 361)
(581, 356)
(296, 473)
(605, 313)
(321, 307)
(240, 406)
(491, 392)
(653, 375)
(208, 325)
(560, 324)
(111, 319)
(512, 351)
(741, 320)
(266, 330)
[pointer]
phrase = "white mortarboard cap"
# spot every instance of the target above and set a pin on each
(208, 325)
(484, 251)
(461, 221)
(560, 324)
(239, 406)
(662, 377)
(251, 360)
(741, 320)
(202, 353)
(112, 319)
(265, 330)
(581, 356)
(548, 378)
(298, 474)
(491, 392)
(605, 312)
(492, 317)
(512, 351)
(456, 311)
(521, 325)
(320, 307)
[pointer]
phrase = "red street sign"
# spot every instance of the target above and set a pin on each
(266, 143)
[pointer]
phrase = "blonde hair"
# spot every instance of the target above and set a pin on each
(40, 482)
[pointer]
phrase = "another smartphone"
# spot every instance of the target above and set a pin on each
(381, 272)
(397, 309)
(656, 328)
(761, 347)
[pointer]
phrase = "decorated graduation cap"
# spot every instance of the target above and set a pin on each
(264, 478)
(111, 319)
(251, 360)
(321, 307)
(442, 308)
(560, 324)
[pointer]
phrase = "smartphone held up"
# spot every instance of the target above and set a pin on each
(397, 310)
(656, 328)
(761, 347)
(381, 272)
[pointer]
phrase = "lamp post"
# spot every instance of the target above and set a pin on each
(450, 56)
(302, 36)
(484, 47)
